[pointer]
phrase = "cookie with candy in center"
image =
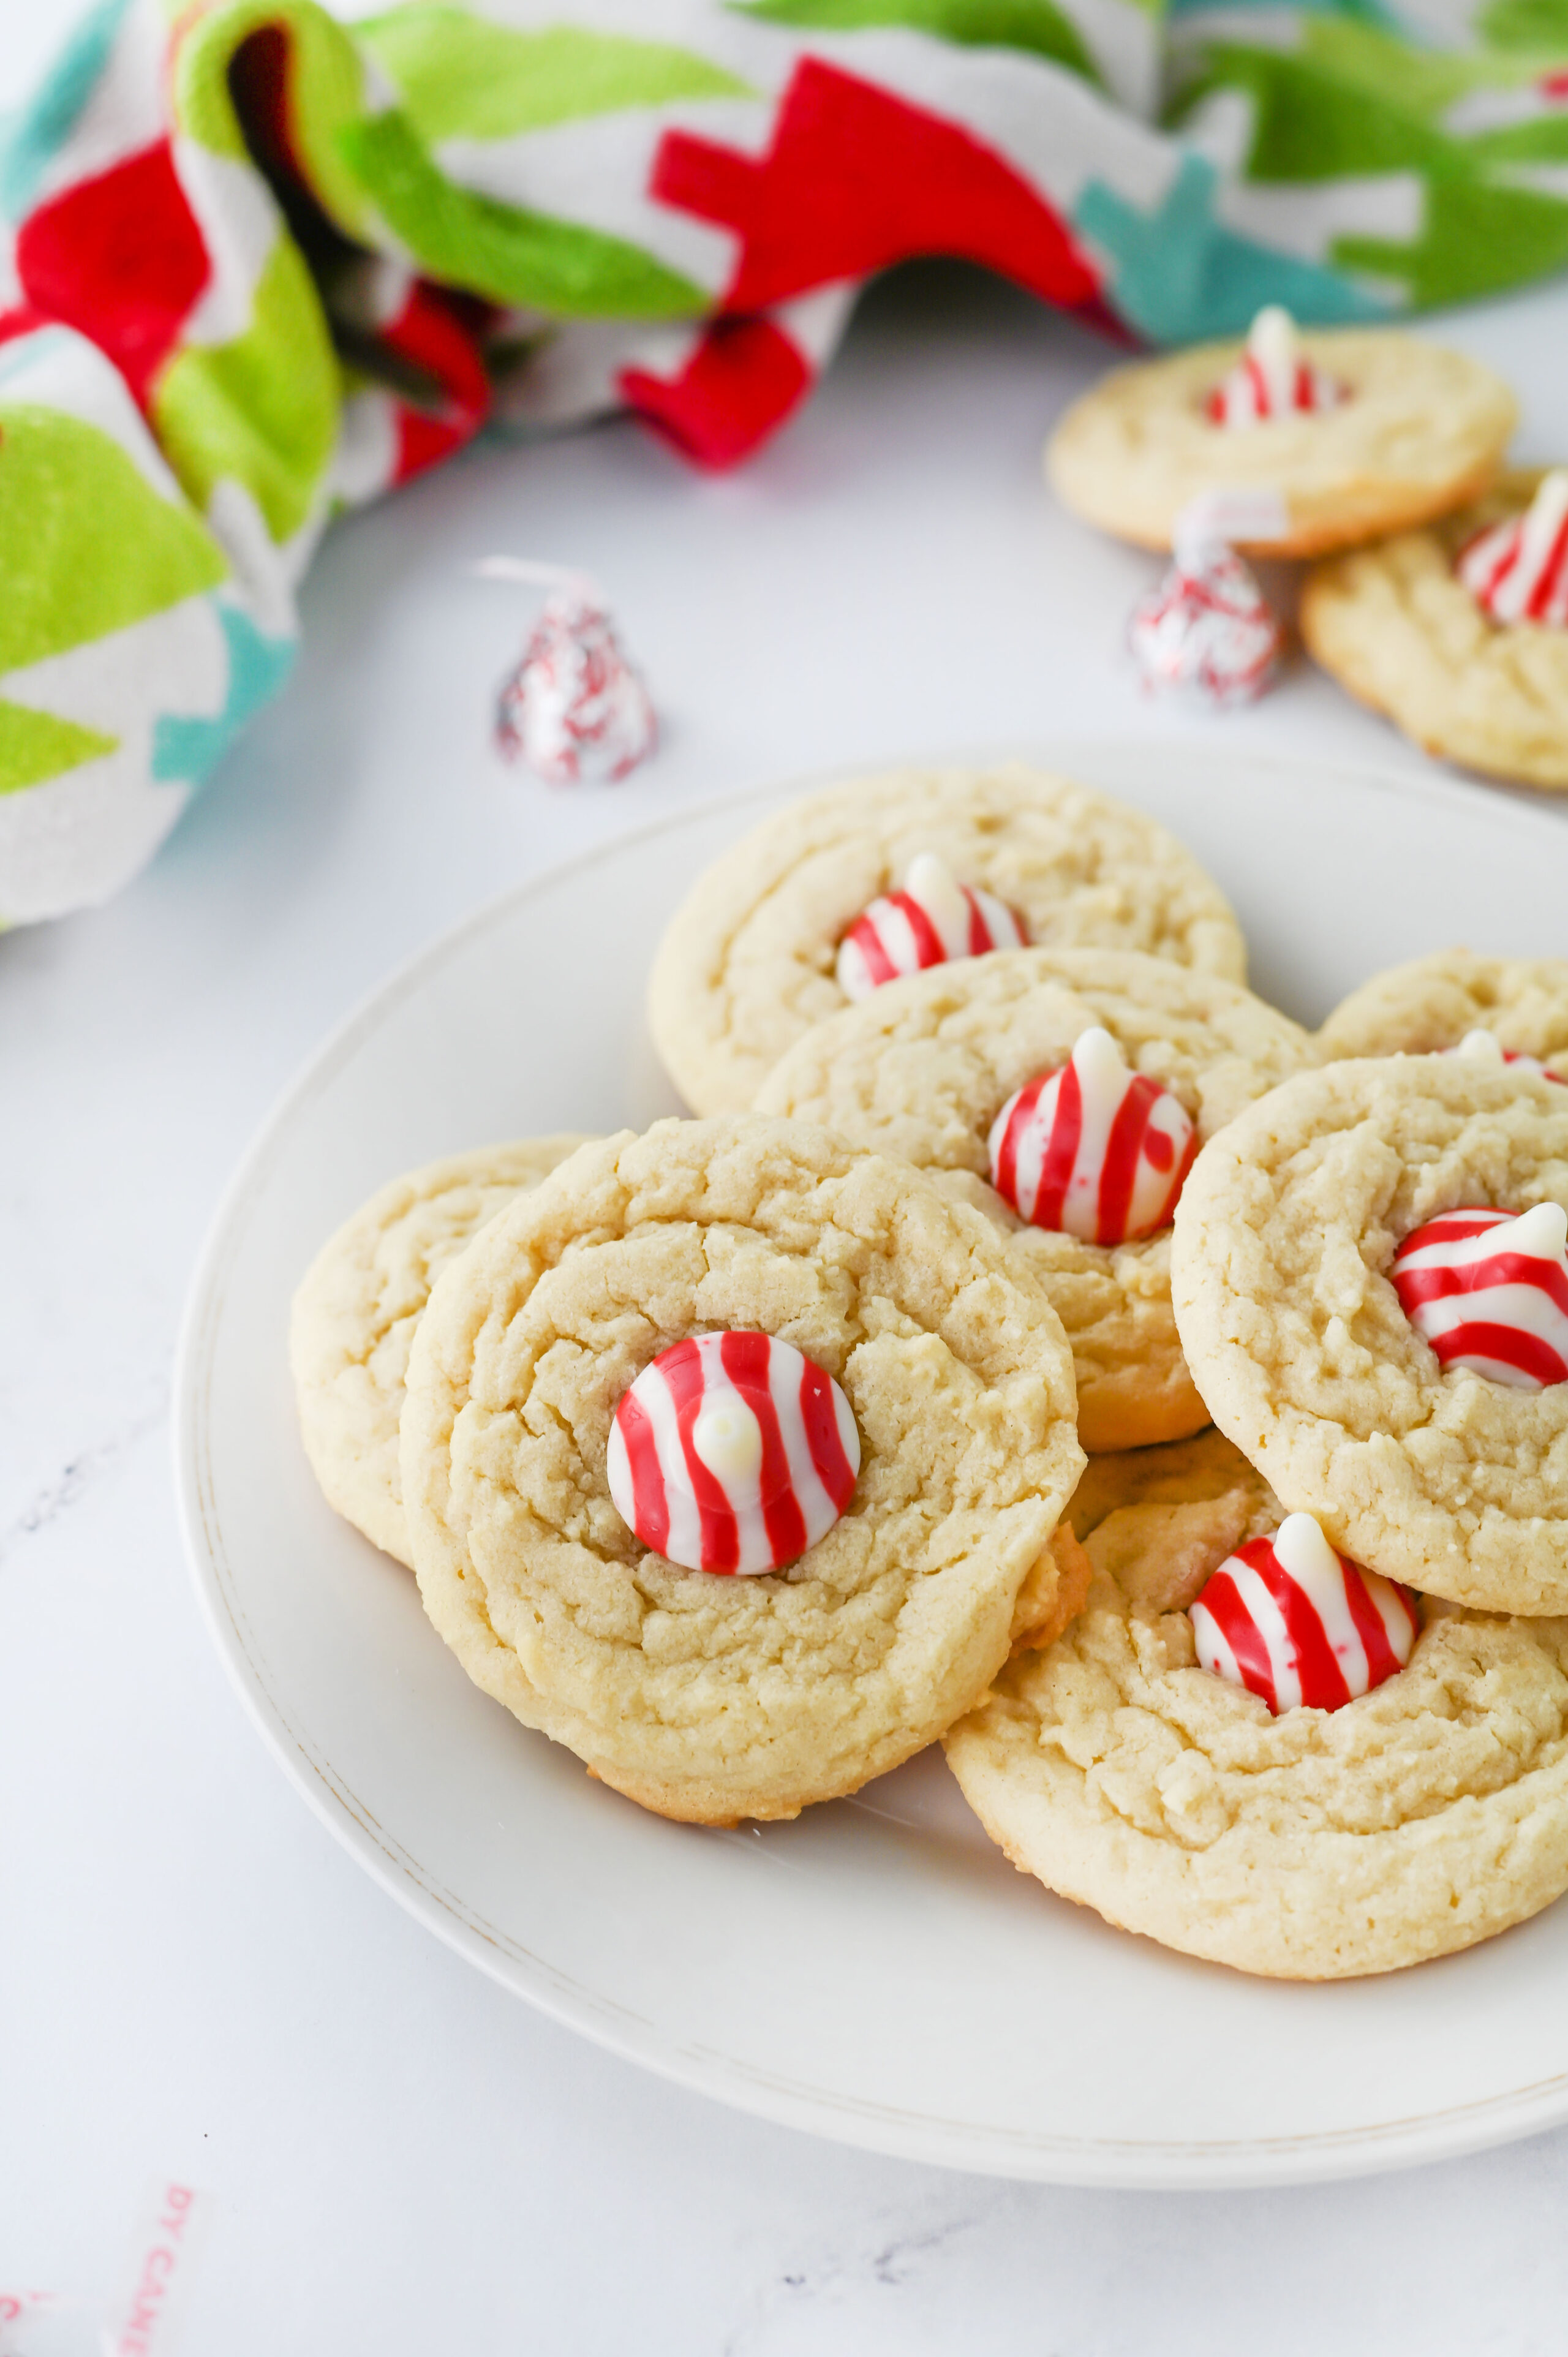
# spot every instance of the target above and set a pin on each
(1064, 1093)
(848, 890)
(1359, 431)
(733, 1458)
(1387, 1783)
(355, 1313)
(1458, 630)
(1370, 1272)
(1458, 999)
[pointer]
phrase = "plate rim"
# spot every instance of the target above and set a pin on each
(1036, 2155)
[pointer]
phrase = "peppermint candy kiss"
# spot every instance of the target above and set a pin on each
(1093, 1150)
(1292, 1619)
(933, 919)
(573, 709)
(1518, 572)
(1271, 378)
(1489, 1291)
(1485, 1048)
(732, 1453)
(1207, 630)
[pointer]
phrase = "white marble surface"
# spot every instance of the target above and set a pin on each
(193, 1978)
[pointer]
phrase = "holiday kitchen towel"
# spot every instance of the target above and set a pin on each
(263, 261)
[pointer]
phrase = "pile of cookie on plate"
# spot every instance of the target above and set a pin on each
(1439, 593)
(1035, 1342)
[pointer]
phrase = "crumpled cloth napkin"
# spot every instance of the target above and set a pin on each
(264, 263)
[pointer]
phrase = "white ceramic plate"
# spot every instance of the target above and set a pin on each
(876, 1971)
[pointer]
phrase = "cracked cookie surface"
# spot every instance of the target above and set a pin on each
(746, 966)
(1284, 1236)
(1433, 1003)
(707, 1697)
(1421, 1818)
(1396, 626)
(356, 1309)
(923, 1066)
(1424, 431)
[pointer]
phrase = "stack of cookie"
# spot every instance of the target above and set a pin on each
(1440, 596)
(1253, 1745)
(748, 1457)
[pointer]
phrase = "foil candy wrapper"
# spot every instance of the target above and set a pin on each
(1208, 631)
(575, 708)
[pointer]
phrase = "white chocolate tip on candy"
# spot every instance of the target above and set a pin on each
(1304, 1550)
(1518, 571)
(728, 1439)
(1485, 1047)
(1550, 505)
(1272, 337)
(1541, 1233)
(1097, 1059)
(1543, 528)
(931, 881)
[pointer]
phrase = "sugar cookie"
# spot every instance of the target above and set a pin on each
(1284, 1279)
(1419, 432)
(1397, 626)
(701, 1694)
(926, 1068)
(1417, 1819)
(355, 1313)
(748, 961)
(1438, 1003)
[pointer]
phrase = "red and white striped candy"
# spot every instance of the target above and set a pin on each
(933, 919)
(574, 709)
(1485, 1048)
(1489, 1291)
(1271, 378)
(1206, 629)
(1518, 572)
(1294, 1620)
(733, 1453)
(1093, 1150)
